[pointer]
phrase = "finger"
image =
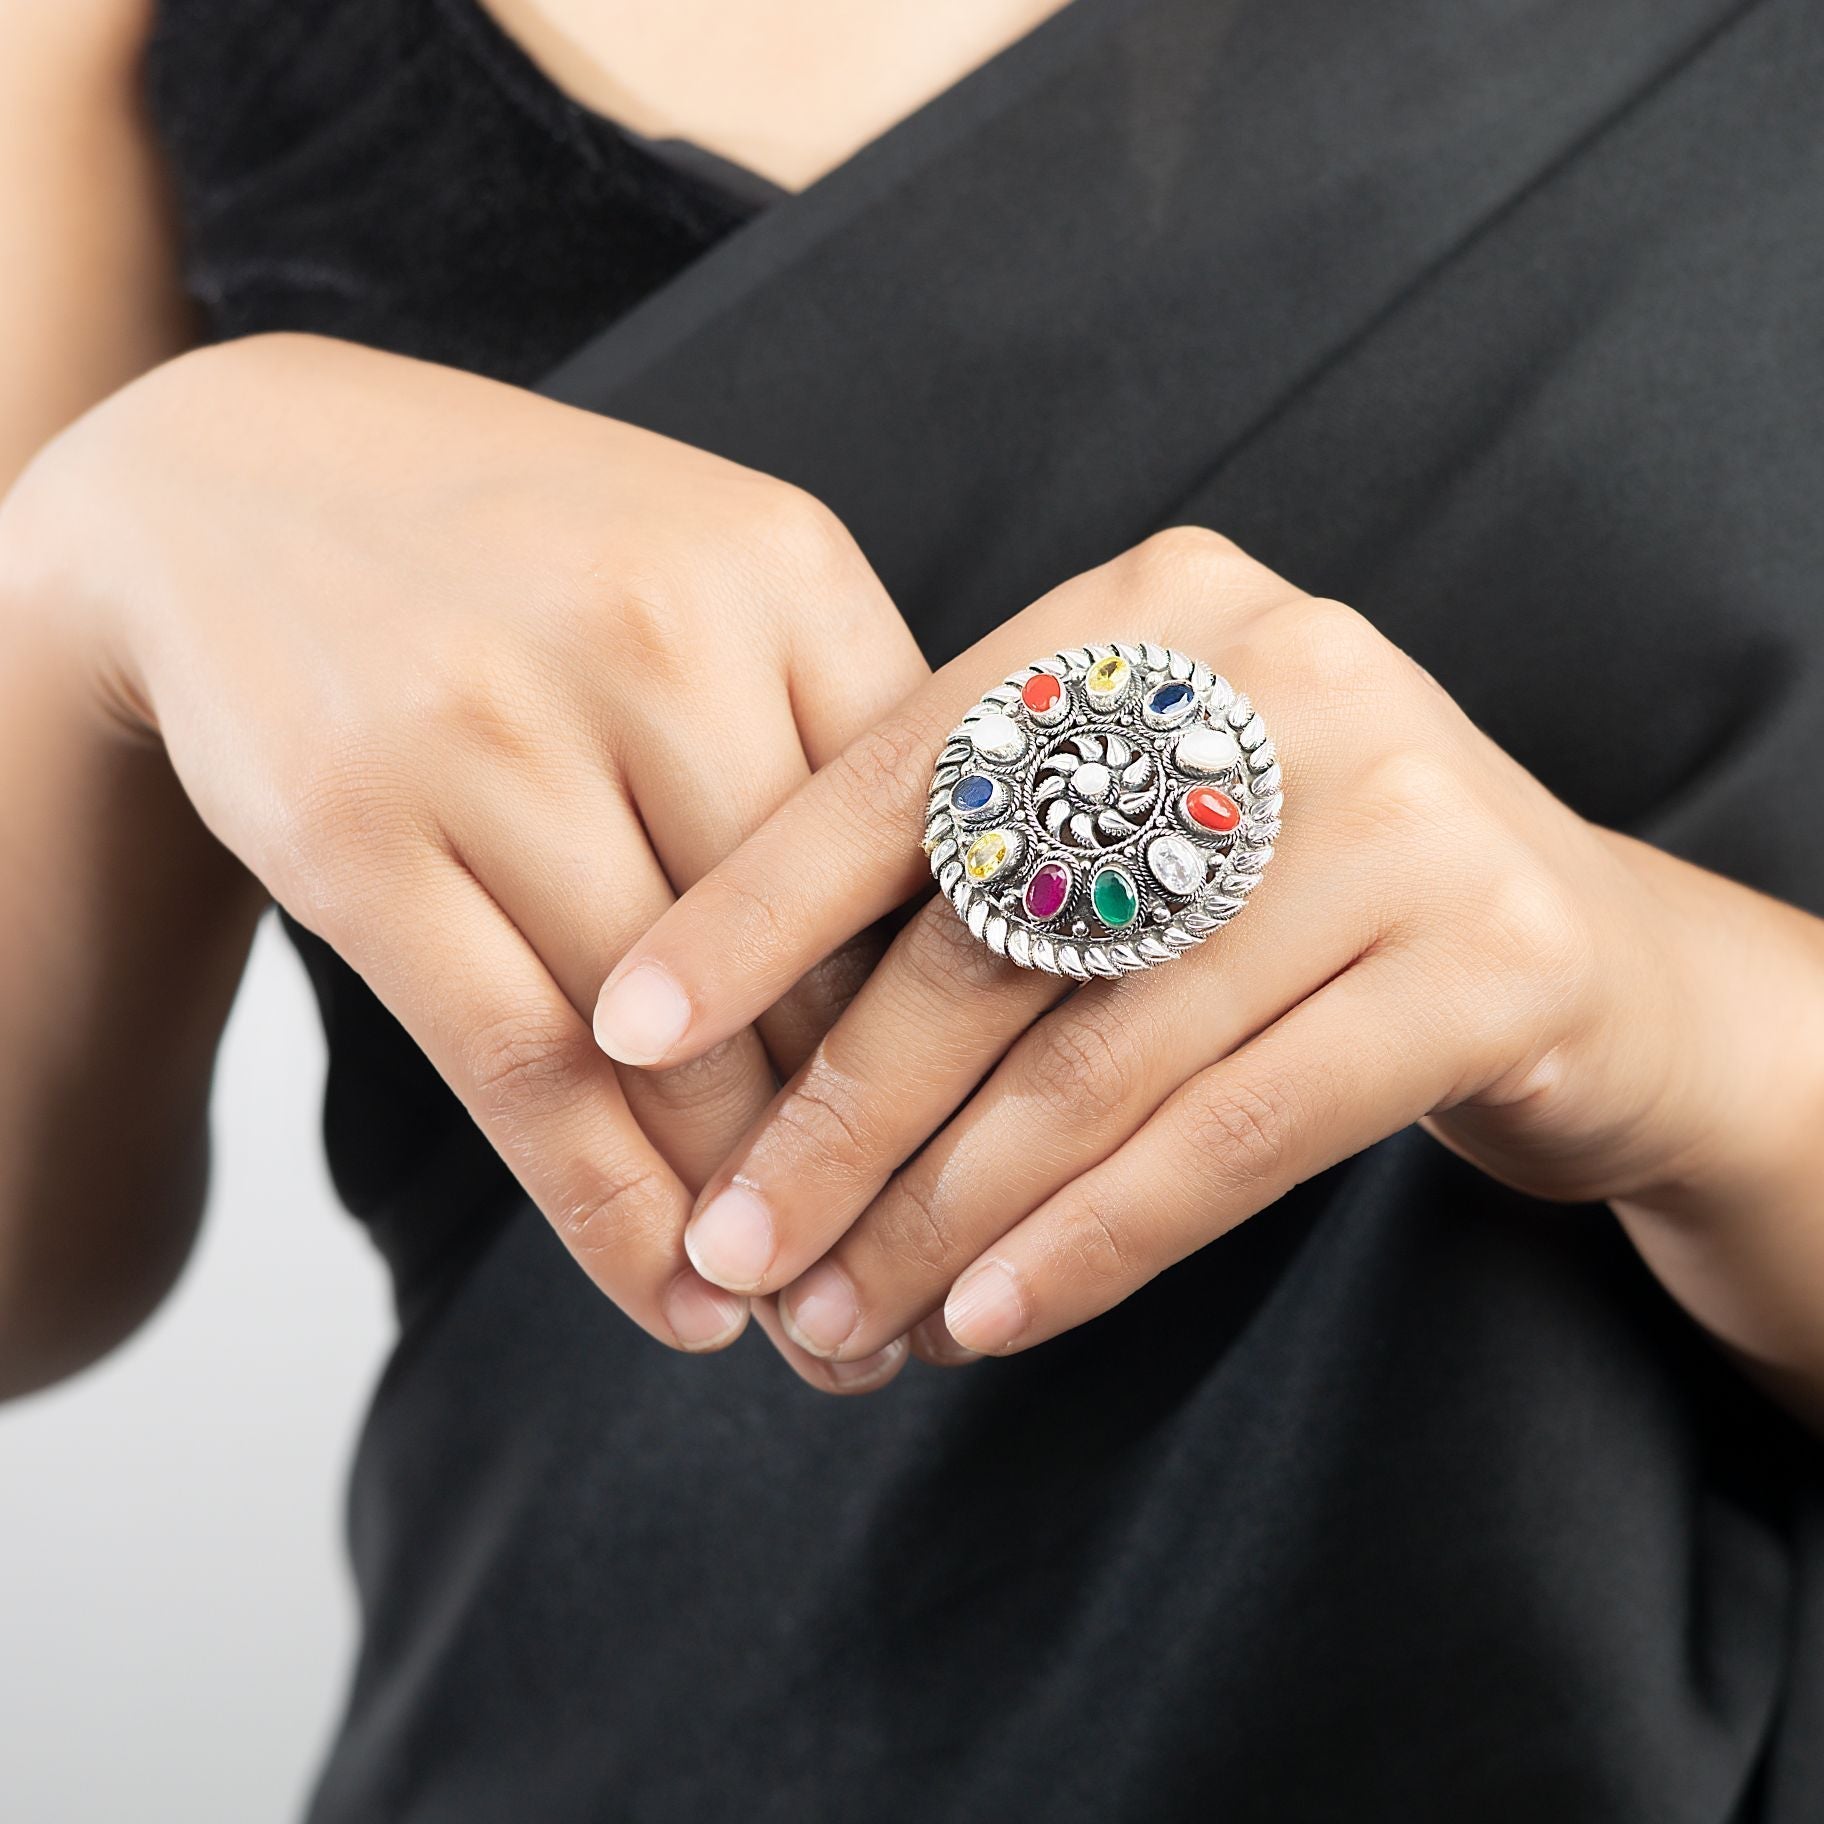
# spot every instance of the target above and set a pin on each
(843, 851)
(487, 1013)
(700, 809)
(834, 858)
(563, 855)
(1068, 1093)
(867, 1375)
(931, 1022)
(931, 1342)
(846, 679)
(1360, 1060)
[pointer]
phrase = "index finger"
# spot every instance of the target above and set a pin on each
(835, 857)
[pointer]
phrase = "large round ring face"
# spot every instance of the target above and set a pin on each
(1103, 810)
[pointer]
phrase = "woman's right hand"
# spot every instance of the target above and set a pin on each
(474, 683)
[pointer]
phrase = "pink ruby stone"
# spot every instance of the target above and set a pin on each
(1211, 809)
(1041, 693)
(1047, 890)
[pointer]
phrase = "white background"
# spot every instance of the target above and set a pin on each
(176, 1621)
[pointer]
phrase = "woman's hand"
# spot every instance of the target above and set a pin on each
(1439, 939)
(473, 682)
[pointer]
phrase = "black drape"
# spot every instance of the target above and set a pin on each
(1412, 1500)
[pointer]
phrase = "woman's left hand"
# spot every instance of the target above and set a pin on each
(1439, 939)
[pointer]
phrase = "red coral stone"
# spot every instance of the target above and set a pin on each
(1041, 693)
(1211, 809)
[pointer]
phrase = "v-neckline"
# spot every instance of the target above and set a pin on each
(742, 182)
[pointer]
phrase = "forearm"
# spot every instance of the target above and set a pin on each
(1734, 1224)
(125, 928)
(122, 925)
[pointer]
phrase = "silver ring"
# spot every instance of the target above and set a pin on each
(1103, 810)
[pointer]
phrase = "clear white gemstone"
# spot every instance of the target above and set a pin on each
(1175, 864)
(1092, 781)
(997, 737)
(1207, 750)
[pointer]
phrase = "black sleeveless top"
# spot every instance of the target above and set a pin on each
(1412, 1499)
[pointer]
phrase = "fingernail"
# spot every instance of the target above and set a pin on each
(730, 1240)
(822, 1313)
(932, 1340)
(641, 1016)
(869, 1371)
(984, 1311)
(700, 1316)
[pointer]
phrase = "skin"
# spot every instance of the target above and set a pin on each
(382, 703)
(972, 1155)
(789, 89)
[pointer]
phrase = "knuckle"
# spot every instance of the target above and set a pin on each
(1413, 790)
(823, 1115)
(648, 618)
(882, 766)
(1534, 948)
(518, 1065)
(911, 1228)
(1243, 1129)
(1181, 555)
(1334, 642)
(833, 981)
(744, 913)
(1077, 1072)
(942, 960)
(1535, 917)
(472, 698)
(1096, 1232)
(803, 535)
(602, 1204)
(703, 1088)
(1186, 574)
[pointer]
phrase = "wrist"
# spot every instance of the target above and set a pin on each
(1736, 997)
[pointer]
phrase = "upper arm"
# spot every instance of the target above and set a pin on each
(91, 294)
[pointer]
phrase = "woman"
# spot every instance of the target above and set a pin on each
(1433, 1491)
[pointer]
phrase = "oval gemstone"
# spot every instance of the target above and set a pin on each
(997, 737)
(1176, 865)
(1207, 750)
(1040, 694)
(988, 854)
(1210, 809)
(973, 794)
(1106, 680)
(1170, 699)
(1047, 890)
(1114, 899)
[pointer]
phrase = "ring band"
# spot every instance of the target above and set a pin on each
(1103, 810)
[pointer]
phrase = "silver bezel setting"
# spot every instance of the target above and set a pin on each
(1137, 794)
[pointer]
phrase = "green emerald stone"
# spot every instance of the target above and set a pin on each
(1114, 899)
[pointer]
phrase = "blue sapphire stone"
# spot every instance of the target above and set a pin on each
(1169, 697)
(972, 793)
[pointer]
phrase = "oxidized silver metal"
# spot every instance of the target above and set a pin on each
(1126, 773)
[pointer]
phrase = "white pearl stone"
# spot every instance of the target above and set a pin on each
(1207, 750)
(1175, 864)
(1091, 781)
(997, 737)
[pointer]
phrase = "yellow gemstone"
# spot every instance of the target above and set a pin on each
(1107, 679)
(987, 855)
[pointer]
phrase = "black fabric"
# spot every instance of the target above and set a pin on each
(1412, 1500)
